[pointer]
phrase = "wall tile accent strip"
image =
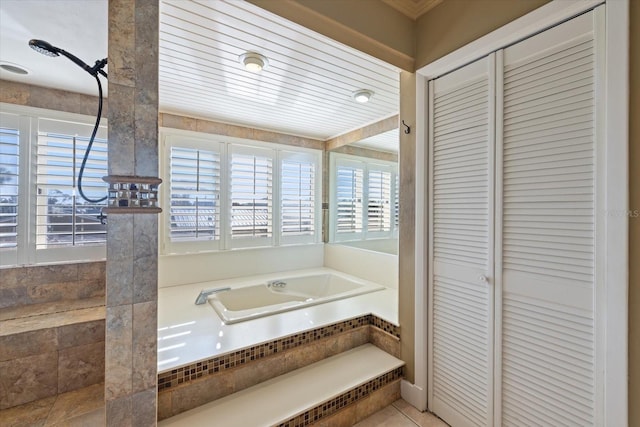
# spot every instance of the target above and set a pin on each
(345, 399)
(220, 363)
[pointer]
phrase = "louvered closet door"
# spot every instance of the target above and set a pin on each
(548, 171)
(461, 245)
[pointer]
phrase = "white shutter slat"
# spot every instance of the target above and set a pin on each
(297, 192)
(194, 195)
(461, 334)
(63, 217)
(9, 168)
(548, 235)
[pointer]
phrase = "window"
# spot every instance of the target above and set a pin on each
(194, 194)
(349, 188)
(237, 194)
(63, 217)
(43, 216)
(9, 164)
(251, 195)
(298, 195)
(364, 193)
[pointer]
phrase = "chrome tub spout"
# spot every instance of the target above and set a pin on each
(204, 294)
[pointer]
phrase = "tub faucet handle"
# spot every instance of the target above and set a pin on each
(204, 294)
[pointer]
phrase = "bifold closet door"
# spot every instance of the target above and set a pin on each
(547, 171)
(461, 244)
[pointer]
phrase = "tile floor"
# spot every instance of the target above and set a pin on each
(84, 408)
(401, 414)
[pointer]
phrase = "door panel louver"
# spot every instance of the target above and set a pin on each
(461, 305)
(461, 200)
(548, 341)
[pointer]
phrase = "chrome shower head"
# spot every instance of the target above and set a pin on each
(44, 48)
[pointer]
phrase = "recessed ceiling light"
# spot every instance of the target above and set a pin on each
(253, 61)
(14, 68)
(363, 95)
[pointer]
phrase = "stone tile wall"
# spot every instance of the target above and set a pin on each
(50, 361)
(51, 283)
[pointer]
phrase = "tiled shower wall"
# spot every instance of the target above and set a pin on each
(49, 283)
(41, 355)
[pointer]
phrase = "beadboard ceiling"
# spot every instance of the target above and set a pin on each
(305, 90)
(387, 141)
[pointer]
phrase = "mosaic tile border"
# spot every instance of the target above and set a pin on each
(223, 362)
(345, 399)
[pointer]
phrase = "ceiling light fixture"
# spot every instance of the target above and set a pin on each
(363, 95)
(14, 68)
(253, 61)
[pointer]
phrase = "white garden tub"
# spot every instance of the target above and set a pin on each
(285, 294)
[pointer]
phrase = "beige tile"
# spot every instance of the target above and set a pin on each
(49, 308)
(56, 291)
(423, 419)
(28, 379)
(118, 354)
(377, 400)
(92, 271)
(53, 320)
(255, 372)
(178, 122)
(94, 418)
(201, 391)
(386, 417)
(45, 274)
(144, 346)
(27, 344)
(385, 341)
(304, 355)
(13, 93)
(77, 403)
(344, 418)
(164, 405)
(80, 334)
(30, 414)
(80, 366)
(144, 408)
(119, 412)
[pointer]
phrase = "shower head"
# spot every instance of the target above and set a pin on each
(48, 49)
(44, 48)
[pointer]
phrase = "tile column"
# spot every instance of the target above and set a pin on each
(132, 233)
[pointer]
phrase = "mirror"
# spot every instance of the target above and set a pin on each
(363, 193)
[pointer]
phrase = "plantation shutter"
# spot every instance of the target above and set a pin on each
(548, 259)
(298, 187)
(461, 245)
(379, 201)
(349, 197)
(9, 167)
(251, 194)
(194, 194)
(63, 217)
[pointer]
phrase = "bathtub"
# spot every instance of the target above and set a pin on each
(287, 293)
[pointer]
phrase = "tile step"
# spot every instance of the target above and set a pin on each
(293, 393)
(34, 317)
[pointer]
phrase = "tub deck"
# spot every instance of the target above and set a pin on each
(188, 333)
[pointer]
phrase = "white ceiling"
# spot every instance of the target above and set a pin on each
(306, 89)
(387, 141)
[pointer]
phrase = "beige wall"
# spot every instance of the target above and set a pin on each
(454, 23)
(634, 223)
(367, 25)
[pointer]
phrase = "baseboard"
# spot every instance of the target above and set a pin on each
(414, 395)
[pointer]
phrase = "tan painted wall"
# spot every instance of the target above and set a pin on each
(367, 25)
(454, 23)
(634, 222)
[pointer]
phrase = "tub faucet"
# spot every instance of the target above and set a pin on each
(202, 296)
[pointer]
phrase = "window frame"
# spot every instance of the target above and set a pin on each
(26, 252)
(368, 165)
(228, 145)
